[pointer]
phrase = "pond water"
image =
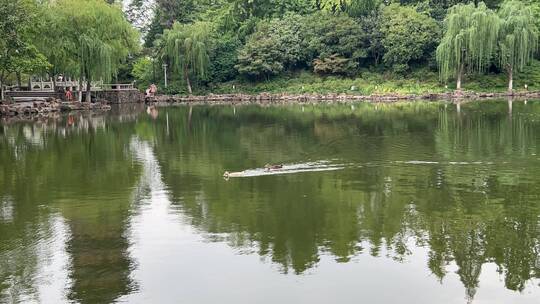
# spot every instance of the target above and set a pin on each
(385, 203)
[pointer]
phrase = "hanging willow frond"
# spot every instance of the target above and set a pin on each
(188, 45)
(518, 35)
(470, 38)
(97, 57)
(96, 36)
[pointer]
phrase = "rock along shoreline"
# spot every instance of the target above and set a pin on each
(47, 107)
(267, 98)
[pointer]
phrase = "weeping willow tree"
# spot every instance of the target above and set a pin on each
(52, 44)
(187, 47)
(98, 38)
(469, 41)
(518, 40)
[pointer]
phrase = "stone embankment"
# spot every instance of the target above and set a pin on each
(45, 107)
(266, 98)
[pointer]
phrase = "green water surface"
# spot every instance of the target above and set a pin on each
(400, 203)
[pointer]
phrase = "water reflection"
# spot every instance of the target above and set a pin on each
(449, 193)
(77, 178)
(470, 202)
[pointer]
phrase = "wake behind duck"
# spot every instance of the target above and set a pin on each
(285, 169)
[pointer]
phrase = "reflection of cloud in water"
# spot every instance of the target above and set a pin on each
(6, 210)
(37, 272)
(54, 262)
(33, 135)
(150, 181)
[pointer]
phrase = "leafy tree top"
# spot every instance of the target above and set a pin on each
(470, 39)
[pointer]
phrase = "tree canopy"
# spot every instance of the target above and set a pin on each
(408, 36)
(85, 38)
(18, 52)
(187, 48)
(469, 41)
(97, 35)
(211, 43)
(518, 40)
(259, 40)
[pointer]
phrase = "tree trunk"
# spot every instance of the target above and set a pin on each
(18, 80)
(88, 89)
(459, 77)
(1, 90)
(510, 79)
(186, 76)
(81, 85)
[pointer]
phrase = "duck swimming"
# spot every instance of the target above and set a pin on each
(269, 167)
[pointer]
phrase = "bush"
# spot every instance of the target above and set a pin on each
(334, 65)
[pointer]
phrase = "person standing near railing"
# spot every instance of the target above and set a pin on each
(69, 94)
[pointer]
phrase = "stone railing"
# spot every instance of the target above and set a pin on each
(49, 85)
(117, 86)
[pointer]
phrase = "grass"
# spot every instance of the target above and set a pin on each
(418, 81)
(305, 82)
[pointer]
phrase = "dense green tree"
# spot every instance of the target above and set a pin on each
(518, 39)
(371, 26)
(61, 56)
(143, 72)
(223, 58)
(407, 36)
(469, 41)
(245, 9)
(334, 6)
(339, 36)
(98, 36)
(261, 56)
(187, 47)
(171, 11)
(276, 45)
(362, 8)
(18, 53)
(445, 4)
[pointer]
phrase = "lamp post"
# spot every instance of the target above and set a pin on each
(153, 70)
(165, 71)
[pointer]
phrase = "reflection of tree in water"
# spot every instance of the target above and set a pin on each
(85, 174)
(468, 214)
(465, 212)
